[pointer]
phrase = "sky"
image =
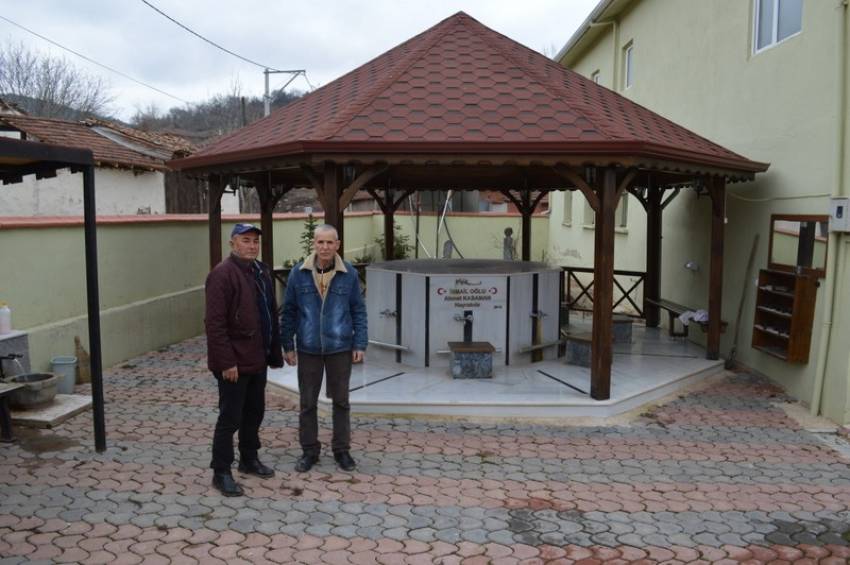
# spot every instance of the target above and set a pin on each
(327, 38)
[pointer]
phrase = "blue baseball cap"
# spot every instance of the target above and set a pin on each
(239, 229)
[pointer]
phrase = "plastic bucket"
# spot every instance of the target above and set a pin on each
(65, 367)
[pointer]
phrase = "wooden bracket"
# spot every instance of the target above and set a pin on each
(670, 197)
(578, 182)
(359, 182)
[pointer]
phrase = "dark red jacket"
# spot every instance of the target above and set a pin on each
(234, 335)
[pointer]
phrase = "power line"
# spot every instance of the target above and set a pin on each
(90, 60)
(211, 42)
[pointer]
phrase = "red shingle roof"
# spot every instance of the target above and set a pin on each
(121, 150)
(461, 86)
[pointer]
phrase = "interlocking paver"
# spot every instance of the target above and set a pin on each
(717, 474)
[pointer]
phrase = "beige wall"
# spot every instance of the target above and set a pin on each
(152, 271)
(693, 63)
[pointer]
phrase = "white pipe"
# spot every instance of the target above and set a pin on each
(834, 240)
(440, 221)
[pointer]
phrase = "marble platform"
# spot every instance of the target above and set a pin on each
(653, 365)
(50, 415)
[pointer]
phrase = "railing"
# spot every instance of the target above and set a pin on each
(578, 287)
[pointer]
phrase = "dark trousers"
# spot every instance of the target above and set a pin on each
(241, 406)
(337, 367)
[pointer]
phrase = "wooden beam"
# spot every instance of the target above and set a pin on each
(526, 225)
(316, 180)
(401, 198)
(603, 288)
(717, 190)
(578, 182)
(652, 289)
(262, 184)
(670, 197)
(626, 182)
(331, 189)
(360, 182)
(216, 190)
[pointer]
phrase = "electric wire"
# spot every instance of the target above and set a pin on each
(211, 42)
(92, 61)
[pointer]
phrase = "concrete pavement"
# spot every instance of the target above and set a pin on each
(718, 474)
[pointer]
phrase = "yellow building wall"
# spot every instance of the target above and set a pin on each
(694, 64)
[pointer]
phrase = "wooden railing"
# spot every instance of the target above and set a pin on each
(578, 287)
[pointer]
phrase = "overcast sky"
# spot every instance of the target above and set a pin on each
(326, 37)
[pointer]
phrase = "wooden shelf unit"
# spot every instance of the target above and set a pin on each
(785, 311)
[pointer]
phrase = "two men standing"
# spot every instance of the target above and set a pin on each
(324, 321)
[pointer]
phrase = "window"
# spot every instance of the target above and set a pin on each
(622, 214)
(595, 77)
(628, 65)
(776, 21)
(589, 215)
(568, 208)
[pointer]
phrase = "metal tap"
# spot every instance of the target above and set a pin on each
(463, 317)
(387, 313)
(7, 357)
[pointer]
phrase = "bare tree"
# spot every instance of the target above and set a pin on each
(50, 86)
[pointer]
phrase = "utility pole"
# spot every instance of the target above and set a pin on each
(267, 101)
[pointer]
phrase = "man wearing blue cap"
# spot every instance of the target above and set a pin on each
(243, 340)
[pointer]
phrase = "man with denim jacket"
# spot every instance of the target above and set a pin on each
(323, 310)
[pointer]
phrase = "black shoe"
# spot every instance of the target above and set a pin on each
(306, 462)
(226, 485)
(345, 461)
(254, 467)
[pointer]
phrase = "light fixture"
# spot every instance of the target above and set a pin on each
(692, 266)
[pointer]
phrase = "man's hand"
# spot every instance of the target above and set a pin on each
(356, 356)
(230, 375)
(290, 357)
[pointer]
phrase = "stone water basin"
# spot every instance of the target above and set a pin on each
(40, 388)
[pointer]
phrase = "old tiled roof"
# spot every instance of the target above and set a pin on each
(111, 147)
(170, 141)
(462, 87)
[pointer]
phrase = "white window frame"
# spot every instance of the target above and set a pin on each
(774, 28)
(628, 65)
(622, 213)
(594, 76)
(567, 220)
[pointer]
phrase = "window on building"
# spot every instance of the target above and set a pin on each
(776, 21)
(568, 208)
(622, 214)
(628, 65)
(589, 214)
(595, 77)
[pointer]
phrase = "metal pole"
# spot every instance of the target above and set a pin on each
(267, 103)
(93, 300)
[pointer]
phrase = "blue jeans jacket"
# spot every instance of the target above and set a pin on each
(338, 324)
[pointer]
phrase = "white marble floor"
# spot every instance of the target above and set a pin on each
(652, 366)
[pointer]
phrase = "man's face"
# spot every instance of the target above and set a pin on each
(325, 244)
(246, 245)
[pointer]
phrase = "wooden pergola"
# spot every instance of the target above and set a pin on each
(21, 158)
(462, 107)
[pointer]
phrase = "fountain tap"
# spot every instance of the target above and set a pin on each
(463, 317)
(8, 357)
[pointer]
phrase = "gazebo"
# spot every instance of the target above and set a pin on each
(463, 107)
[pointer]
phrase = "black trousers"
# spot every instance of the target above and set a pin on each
(241, 406)
(337, 367)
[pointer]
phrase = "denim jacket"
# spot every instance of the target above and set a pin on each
(322, 327)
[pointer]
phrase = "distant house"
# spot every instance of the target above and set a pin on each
(131, 175)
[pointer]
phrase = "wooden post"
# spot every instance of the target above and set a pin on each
(332, 191)
(389, 234)
(717, 189)
(262, 185)
(652, 284)
(216, 190)
(603, 289)
(526, 225)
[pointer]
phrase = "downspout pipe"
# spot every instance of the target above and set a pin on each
(615, 42)
(834, 245)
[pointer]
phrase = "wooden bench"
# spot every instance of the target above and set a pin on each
(674, 310)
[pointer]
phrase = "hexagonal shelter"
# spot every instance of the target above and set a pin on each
(463, 107)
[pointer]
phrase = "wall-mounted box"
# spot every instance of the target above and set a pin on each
(839, 214)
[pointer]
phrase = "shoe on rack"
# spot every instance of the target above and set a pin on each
(306, 462)
(226, 485)
(345, 461)
(254, 467)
